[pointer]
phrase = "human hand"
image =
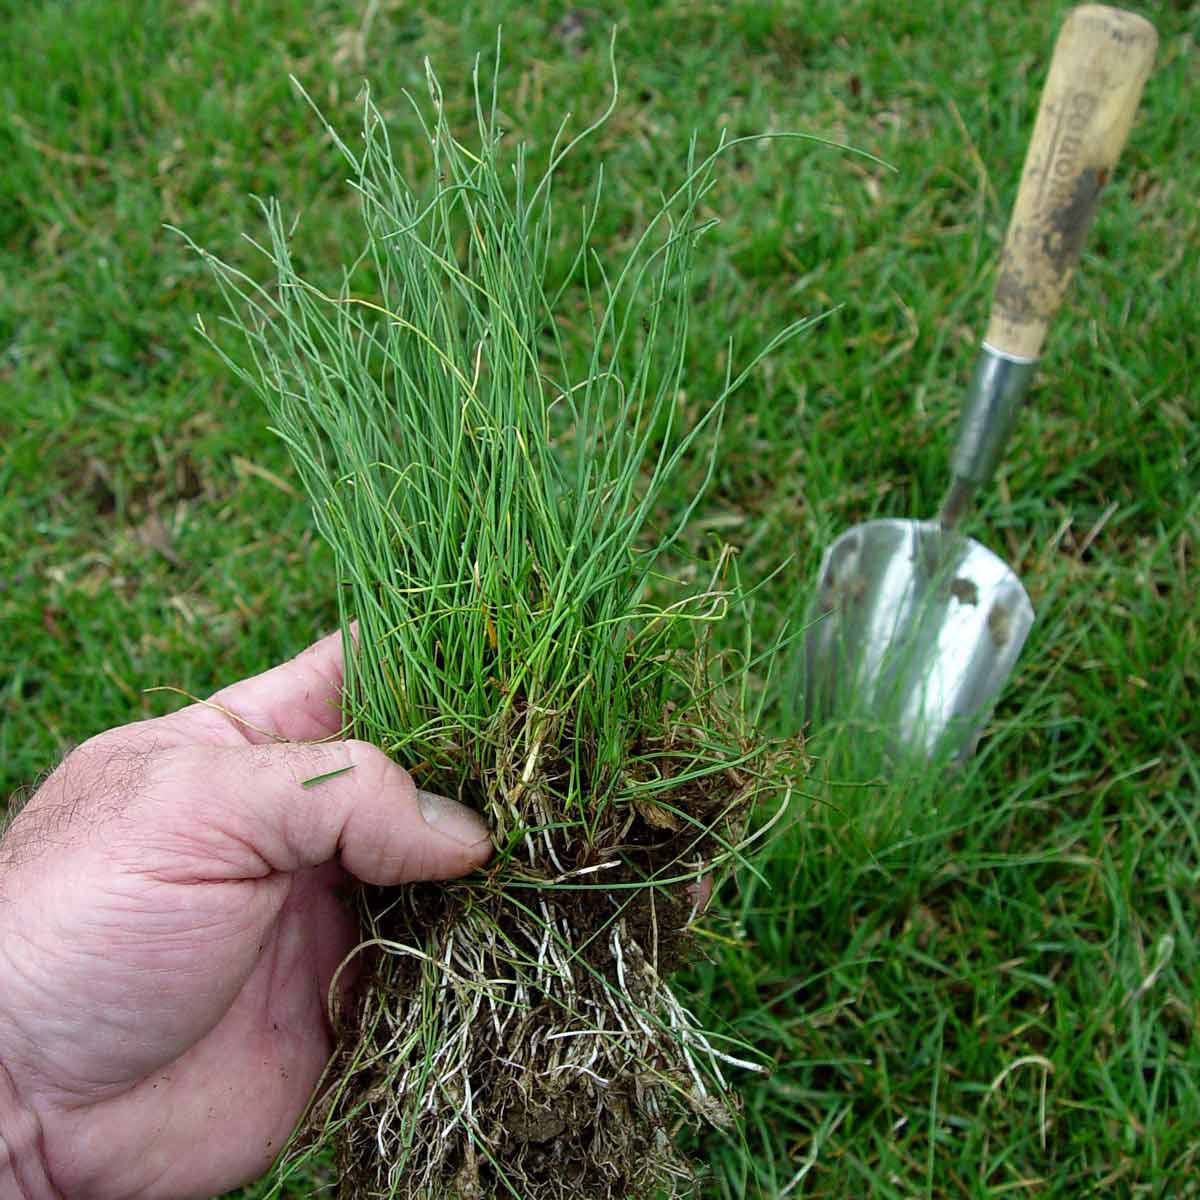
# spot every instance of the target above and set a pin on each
(169, 929)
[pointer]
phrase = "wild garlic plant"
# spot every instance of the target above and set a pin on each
(492, 493)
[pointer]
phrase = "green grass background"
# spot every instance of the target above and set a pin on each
(969, 986)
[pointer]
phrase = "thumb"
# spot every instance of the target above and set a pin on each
(289, 806)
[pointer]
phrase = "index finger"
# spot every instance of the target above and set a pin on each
(299, 700)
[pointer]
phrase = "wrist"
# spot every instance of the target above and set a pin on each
(23, 1173)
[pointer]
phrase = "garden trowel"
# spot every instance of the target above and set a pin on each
(914, 627)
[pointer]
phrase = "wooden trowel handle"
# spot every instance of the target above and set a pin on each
(1101, 60)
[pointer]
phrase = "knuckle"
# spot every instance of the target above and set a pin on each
(373, 768)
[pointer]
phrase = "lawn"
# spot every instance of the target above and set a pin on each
(973, 985)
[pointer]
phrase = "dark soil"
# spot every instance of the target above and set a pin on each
(525, 1112)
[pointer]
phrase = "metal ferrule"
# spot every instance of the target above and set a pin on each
(993, 401)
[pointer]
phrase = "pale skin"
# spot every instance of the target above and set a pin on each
(170, 923)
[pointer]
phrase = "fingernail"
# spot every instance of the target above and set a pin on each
(455, 820)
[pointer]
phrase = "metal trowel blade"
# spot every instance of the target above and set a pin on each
(914, 629)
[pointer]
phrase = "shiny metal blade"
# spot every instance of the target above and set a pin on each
(915, 628)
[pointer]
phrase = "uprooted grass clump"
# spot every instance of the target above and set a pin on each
(489, 486)
(525, 1032)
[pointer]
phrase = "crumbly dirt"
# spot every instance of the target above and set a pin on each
(516, 1039)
